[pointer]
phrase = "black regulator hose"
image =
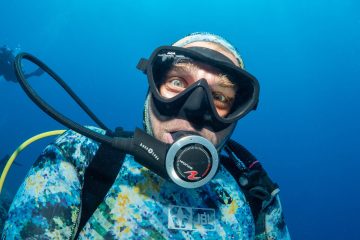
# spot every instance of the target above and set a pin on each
(189, 162)
(115, 142)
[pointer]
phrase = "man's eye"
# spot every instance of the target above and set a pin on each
(220, 97)
(177, 83)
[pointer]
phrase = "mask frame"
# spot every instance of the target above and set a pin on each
(248, 84)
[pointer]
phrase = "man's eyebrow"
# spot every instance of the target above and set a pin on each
(224, 81)
(188, 67)
(184, 67)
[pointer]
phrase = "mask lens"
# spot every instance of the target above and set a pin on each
(175, 72)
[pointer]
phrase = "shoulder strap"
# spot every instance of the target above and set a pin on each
(99, 177)
(257, 186)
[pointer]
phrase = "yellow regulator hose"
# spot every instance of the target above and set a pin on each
(22, 147)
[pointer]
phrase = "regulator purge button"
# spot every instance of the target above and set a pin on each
(191, 161)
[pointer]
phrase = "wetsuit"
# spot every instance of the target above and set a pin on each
(139, 205)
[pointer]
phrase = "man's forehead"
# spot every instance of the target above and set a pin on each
(216, 47)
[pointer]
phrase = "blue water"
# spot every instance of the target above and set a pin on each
(304, 53)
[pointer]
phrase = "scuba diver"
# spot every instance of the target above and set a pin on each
(198, 90)
(7, 57)
(4, 160)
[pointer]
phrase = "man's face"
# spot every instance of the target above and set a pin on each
(178, 79)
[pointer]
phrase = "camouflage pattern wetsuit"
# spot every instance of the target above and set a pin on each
(139, 205)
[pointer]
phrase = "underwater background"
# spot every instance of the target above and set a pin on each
(305, 55)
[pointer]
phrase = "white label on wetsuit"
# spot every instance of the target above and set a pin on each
(188, 218)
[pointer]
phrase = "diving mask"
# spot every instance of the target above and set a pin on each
(197, 101)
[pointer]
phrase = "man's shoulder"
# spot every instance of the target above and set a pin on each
(75, 146)
(72, 137)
